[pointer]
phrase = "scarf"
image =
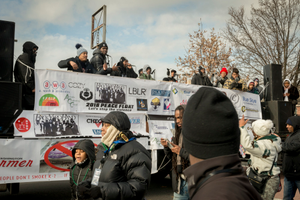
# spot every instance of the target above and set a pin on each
(110, 136)
(286, 90)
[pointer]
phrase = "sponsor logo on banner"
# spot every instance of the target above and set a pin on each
(175, 91)
(97, 131)
(142, 104)
(162, 93)
(76, 85)
(135, 120)
(110, 97)
(155, 103)
(60, 150)
(49, 100)
(183, 102)
(167, 104)
(249, 101)
(244, 109)
(98, 122)
(137, 91)
(161, 127)
(235, 98)
(71, 100)
(185, 92)
(86, 94)
(22, 124)
(54, 85)
(15, 162)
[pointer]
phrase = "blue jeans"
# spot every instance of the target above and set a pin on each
(290, 187)
(184, 193)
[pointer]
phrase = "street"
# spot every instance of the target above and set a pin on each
(60, 190)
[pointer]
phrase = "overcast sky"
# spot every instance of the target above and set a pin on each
(145, 32)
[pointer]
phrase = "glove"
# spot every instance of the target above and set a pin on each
(233, 85)
(239, 85)
(83, 189)
(95, 192)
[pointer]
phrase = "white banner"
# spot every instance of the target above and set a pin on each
(32, 124)
(59, 91)
(39, 160)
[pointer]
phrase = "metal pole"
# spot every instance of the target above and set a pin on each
(92, 36)
(104, 23)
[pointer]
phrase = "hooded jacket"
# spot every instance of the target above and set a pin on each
(126, 171)
(97, 61)
(293, 91)
(201, 79)
(145, 75)
(254, 89)
(25, 74)
(124, 71)
(263, 152)
(84, 171)
(225, 186)
(86, 65)
(291, 151)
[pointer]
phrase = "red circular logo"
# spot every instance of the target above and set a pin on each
(64, 150)
(22, 124)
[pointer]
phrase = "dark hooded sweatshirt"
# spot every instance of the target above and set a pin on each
(24, 73)
(291, 150)
(126, 171)
(124, 71)
(82, 172)
(200, 79)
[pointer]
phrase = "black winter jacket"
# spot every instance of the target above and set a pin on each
(291, 150)
(183, 154)
(126, 171)
(97, 61)
(84, 171)
(25, 75)
(294, 93)
(200, 79)
(124, 72)
(86, 65)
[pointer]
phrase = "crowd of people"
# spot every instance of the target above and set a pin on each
(204, 148)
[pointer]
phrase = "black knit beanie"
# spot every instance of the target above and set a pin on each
(210, 125)
(102, 44)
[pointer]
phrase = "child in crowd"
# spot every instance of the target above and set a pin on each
(82, 167)
(251, 87)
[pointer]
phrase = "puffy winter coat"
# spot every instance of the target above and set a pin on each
(84, 171)
(86, 65)
(291, 150)
(126, 171)
(97, 61)
(263, 152)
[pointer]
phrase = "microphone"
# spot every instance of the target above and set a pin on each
(168, 72)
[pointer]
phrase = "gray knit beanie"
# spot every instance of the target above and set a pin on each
(80, 49)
